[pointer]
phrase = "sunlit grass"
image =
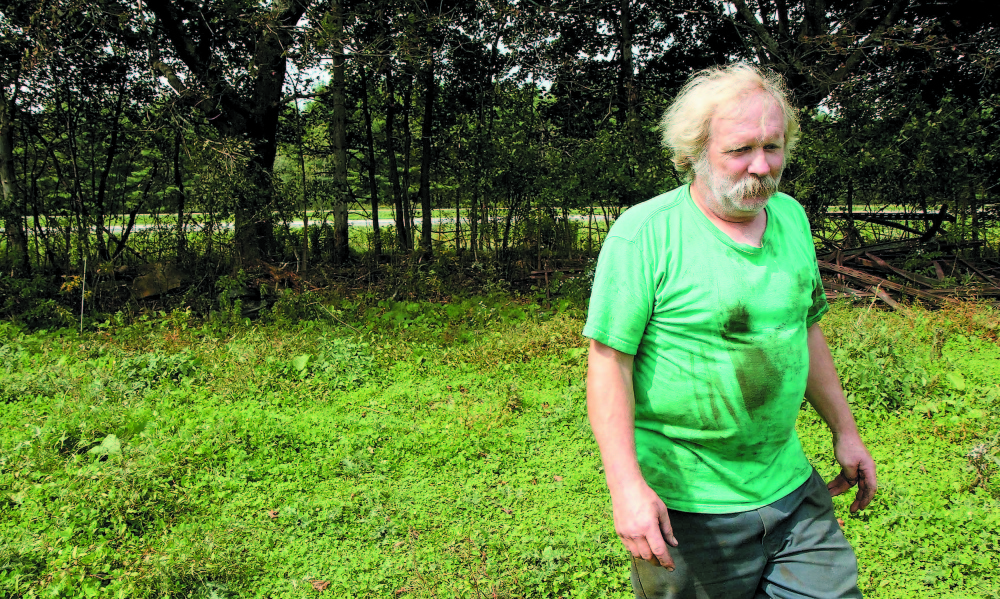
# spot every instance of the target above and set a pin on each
(424, 449)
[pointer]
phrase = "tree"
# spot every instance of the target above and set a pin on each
(228, 62)
(818, 45)
(11, 202)
(79, 138)
(340, 243)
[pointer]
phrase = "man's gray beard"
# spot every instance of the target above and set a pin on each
(748, 195)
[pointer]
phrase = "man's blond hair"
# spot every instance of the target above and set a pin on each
(687, 122)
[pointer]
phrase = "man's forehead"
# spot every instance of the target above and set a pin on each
(739, 114)
(738, 107)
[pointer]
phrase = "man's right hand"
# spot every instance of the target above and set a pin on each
(643, 525)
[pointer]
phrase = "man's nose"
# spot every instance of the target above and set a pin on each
(758, 163)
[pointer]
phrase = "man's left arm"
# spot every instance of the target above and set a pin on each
(824, 392)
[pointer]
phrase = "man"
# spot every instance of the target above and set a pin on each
(704, 339)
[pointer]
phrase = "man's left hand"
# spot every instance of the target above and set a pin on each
(857, 468)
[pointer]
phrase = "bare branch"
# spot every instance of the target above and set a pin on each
(166, 70)
(890, 19)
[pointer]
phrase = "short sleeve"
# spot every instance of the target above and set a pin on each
(622, 298)
(819, 305)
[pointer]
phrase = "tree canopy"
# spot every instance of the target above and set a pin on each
(135, 133)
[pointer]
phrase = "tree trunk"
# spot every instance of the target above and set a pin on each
(109, 161)
(76, 191)
(254, 226)
(407, 147)
(458, 211)
(12, 209)
(179, 184)
(304, 261)
(852, 231)
(426, 134)
(508, 221)
(474, 207)
(340, 239)
(248, 113)
(974, 214)
(372, 185)
(627, 86)
(402, 229)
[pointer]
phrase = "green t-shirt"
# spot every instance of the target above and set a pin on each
(718, 330)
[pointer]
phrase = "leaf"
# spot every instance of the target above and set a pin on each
(91, 587)
(109, 446)
(301, 362)
(957, 380)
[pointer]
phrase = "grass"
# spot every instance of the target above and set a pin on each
(412, 449)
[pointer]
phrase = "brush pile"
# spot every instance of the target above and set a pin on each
(926, 267)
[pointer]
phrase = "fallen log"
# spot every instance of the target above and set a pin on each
(899, 271)
(885, 297)
(843, 290)
(981, 274)
(901, 244)
(938, 270)
(967, 292)
(874, 216)
(864, 277)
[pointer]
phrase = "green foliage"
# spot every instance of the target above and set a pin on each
(292, 307)
(117, 138)
(409, 448)
(879, 368)
(918, 362)
(146, 370)
(35, 302)
(912, 156)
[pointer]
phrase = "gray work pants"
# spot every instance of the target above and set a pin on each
(790, 549)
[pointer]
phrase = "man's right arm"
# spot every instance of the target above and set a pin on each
(641, 519)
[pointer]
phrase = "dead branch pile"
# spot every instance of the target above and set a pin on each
(926, 268)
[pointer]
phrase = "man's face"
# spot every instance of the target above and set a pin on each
(744, 158)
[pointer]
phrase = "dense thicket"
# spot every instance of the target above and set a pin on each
(180, 131)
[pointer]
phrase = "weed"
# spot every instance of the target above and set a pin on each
(984, 460)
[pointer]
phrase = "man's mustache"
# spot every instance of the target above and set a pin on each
(757, 186)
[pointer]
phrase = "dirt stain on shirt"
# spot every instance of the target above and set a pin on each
(756, 368)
